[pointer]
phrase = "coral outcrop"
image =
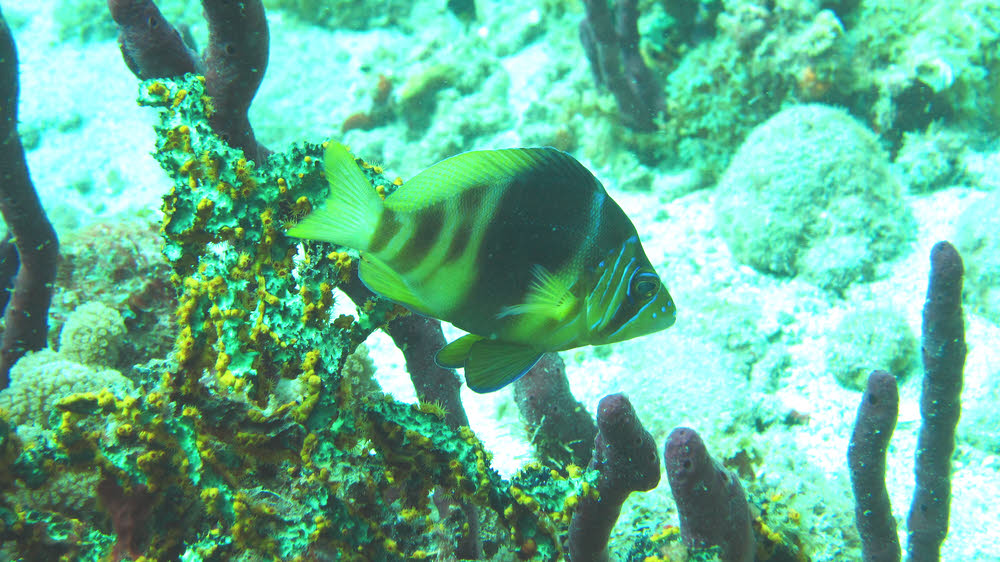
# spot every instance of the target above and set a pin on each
(41, 380)
(809, 193)
(92, 335)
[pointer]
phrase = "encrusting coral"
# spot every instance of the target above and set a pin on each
(89, 344)
(825, 205)
(45, 388)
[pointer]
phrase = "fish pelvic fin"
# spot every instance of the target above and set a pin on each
(352, 210)
(453, 355)
(493, 364)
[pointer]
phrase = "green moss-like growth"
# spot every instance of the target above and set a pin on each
(867, 339)
(83, 21)
(709, 105)
(809, 193)
(731, 65)
(930, 160)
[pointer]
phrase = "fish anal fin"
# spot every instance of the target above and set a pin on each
(381, 279)
(493, 364)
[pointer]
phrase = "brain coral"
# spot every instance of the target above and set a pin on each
(92, 335)
(41, 379)
(810, 193)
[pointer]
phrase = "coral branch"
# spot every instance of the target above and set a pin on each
(562, 429)
(940, 404)
(151, 47)
(710, 500)
(129, 512)
(419, 338)
(866, 459)
(233, 64)
(612, 47)
(26, 315)
(625, 455)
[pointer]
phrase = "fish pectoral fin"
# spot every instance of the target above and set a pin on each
(381, 279)
(548, 296)
(453, 355)
(493, 364)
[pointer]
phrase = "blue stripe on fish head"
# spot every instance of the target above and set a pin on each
(611, 274)
(655, 314)
(628, 299)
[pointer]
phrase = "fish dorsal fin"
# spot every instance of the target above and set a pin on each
(453, 355)
(548, 296)
(493, 364)
(454, 175)
(381, 279)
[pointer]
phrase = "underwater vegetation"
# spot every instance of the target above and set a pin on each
(730, 65)
(262, 433)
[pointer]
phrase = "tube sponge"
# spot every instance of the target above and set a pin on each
(92, 335)
(625, 456)
(711, 503)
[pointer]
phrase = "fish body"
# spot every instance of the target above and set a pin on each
(522, 248)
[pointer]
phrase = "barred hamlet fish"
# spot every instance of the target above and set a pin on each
(520, 247)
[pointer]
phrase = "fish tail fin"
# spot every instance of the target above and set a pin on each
(352, 210)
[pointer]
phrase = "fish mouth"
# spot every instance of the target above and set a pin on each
(658, 314)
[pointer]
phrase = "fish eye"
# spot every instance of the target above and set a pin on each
(643, 285)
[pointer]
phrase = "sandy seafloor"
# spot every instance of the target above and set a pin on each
(92, 163)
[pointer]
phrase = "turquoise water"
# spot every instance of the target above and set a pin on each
(788, 167)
